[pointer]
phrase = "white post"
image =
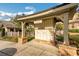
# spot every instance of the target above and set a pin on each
(23, 31)
(11, 33)
(6, 30)
(66, 41)
(53, 33)
(18, 34)
(20, 40)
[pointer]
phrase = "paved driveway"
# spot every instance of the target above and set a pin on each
(32, 48)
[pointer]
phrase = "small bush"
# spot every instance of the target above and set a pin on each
(30, 38)
(59, 38)
(74, 39)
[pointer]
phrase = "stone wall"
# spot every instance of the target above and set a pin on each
(67, 50)
(73, 33)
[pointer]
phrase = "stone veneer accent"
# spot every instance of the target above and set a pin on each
(67, 50)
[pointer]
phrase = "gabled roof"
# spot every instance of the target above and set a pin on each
(53, 10)
(7, 24)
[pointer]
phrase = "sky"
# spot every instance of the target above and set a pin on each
(8, 10)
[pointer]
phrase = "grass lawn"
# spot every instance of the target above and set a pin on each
(7, 38)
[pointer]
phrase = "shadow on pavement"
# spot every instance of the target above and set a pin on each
(8, 52)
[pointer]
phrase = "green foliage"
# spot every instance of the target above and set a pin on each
(74, 30)
(30, 29)
(15, 21)
(74, 39)
(3, 32)
(0, 29)
(59, 38)
(30, 38)
(59, 26)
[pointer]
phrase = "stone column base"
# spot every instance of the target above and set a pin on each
(53, 42)
(67, 50)
(43, 42)
(22, 40)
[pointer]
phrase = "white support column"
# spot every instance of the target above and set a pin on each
(53, 32)
(23, 31)
(6, 30)
(21, 40)
(18, 34)
(66, 40)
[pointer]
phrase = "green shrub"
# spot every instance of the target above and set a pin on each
(75, 39)
(3, 32)
(74, 30)
(59, 38)
(30, 38)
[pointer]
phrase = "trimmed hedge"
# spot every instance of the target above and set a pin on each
(30, 38)
(74, 30)
(59, 38)
(74, 39)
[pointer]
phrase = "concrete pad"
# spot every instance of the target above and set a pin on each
(31, 51)
(37, 45)
(46, 53)
(5, 44)
(32, 48)
(20, 47)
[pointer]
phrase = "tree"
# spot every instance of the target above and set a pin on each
(15, 21)
(59, 27)
(29, 29)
